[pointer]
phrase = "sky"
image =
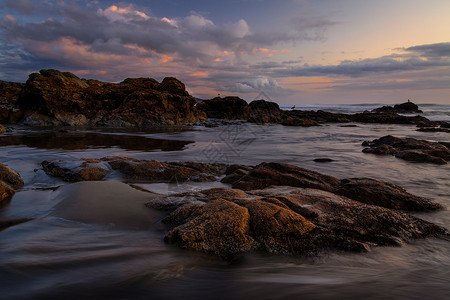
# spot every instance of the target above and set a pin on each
(293, 51)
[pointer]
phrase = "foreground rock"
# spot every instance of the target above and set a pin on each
(409, 149)
(61, 98)
(148, 170)
(286, 220)
(9, 180)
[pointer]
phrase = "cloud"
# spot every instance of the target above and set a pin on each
(416, 58)
(257, 85)
(431, 50)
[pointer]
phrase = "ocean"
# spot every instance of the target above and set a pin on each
(95, 252)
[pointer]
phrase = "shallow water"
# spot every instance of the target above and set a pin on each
(80, 245)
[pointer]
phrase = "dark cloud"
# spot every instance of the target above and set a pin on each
(432, 50)
(359, 68)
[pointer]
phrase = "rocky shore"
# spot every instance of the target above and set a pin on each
(54, 98)
(409, 149)
(271, 207)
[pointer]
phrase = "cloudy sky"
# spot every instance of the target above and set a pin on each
(295, 51)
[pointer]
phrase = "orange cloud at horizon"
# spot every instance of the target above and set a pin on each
(199, 74)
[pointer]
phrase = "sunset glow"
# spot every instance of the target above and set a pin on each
(295, 51)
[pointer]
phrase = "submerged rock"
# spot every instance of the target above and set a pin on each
(73, 171)
(409, 149)
(287, 220)
(149, 170)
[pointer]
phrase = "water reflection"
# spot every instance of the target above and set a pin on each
(76, 140)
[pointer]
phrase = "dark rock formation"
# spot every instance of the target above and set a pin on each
(268, 174)
(409, 149)
(375, 192)
(149, 170)
(364, 190)
(73, 171)
(265, 112)
(285, 220)
(264, 175)
(9, 110)
(229, 108)
(61, 98)
(403, 108)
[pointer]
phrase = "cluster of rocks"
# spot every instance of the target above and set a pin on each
(148, 170)
(10, 180)
(409, 149)
(262, 112)
(54, 98)
(271, 207)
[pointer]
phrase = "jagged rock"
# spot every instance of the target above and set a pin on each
(375, 192)
(73, 171)
(268, 174)
(61, 98)
(229, 222)
(409, 149)
(10, 176)
(230, 108)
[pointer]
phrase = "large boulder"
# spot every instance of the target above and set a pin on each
(229, 222)
(52, 97)
(409, 149)
(230, 108)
